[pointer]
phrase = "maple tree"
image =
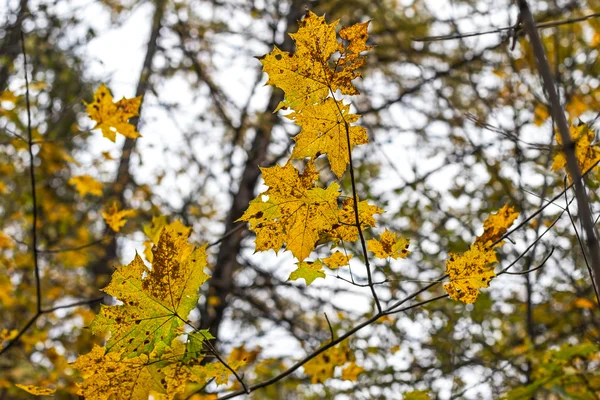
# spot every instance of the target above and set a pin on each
(375, 250)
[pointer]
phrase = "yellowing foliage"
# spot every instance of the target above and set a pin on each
(323, 366)
(35, 390)
(324, 132)
(586, 154)
(497, 225)
(112, 118)
(471, 271)
(156, 302)
(309, 271)
(337, 259)
(116, 219)
(292, 211)
(85, 184)
(389, 246)
(308, 75)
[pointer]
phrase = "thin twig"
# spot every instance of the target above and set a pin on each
(330, 328)
(531, 269)
(549, 24)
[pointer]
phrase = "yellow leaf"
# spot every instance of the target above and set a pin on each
(322, 367)
(116, 219)
(584, 303)
(6, 241)
(497, 225)
(586, 154)
(112, 118)
(350, 372)
(338, 259)
(37, 391)
(156, 302)
(324, 132)
(469, 272)
(345, 229)
(292, 211)
(153, 232)
(309, 271)
(85, 184)
(8, 96)
(540, 114)
(308, 75)
(389, 246)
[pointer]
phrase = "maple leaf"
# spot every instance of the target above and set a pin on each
(324, 132)
(351, 372)
(112, 118)
(389, 246)
(586, 153)
(345, 229)
(110, 375)
(156, 302)
(309, 271)
(35, 390)
(292, 211)
(469, 272)
(308, 75)
(154, 230)
(85, 184)
(322, 367)
(337, 259)
(116, 219)
(497, 225)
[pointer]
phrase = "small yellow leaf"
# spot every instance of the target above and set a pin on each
(309, 271)
(116, 219)
(322, 367)
(113, 118)
(469, 272)
(37, 391)
(350, 373)
(389, 246)
(8, 96)
(85, 184)
(584, 303)
(540, 114)
(497, 225)
(338, 259)
(6, 241)
(586, 154)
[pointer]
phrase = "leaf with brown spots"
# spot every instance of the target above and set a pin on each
(156, 301)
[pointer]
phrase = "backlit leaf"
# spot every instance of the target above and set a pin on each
(586, 154)
(497, 225)
(469, 272)
(85, 184)
(337, 259)
(309, 271)
(389, 246)
(156, 302)
(112, 118)
(35, 390)
(116, 219)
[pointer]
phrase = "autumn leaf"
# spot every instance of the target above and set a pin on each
(292, 211)
(35, 390)
(469, 272)
(110, 375)
(309, 271)
(497, 225)
(586, 153)
(156, 302)
(308, 75)
(389, 246)
(154, 230)
(351, 372)
(322, 367)
(85, 184)
(324, 132)
(337, 259)
(116, 219)
(345, 230)
(112, 118)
